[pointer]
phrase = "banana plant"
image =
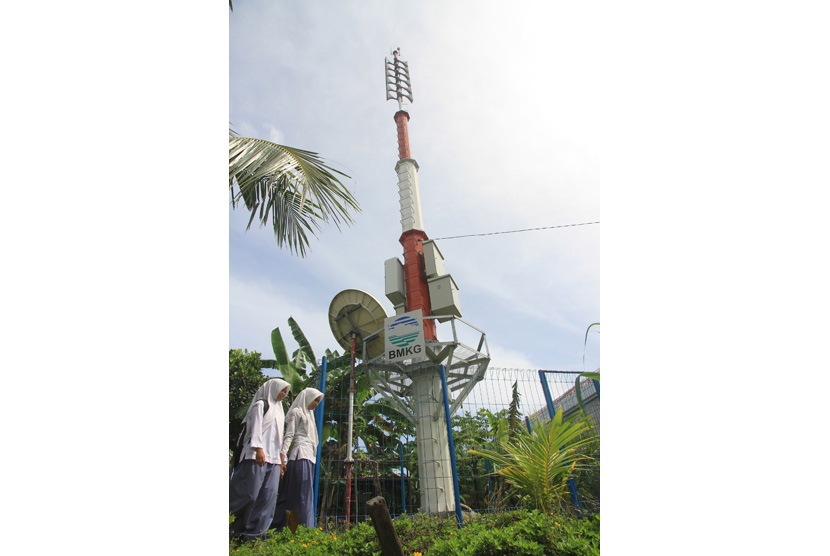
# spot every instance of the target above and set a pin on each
(301, 369)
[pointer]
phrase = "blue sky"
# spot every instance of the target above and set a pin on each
(504, 128)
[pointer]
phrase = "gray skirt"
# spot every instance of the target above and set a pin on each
(253, 494)
(297, 493)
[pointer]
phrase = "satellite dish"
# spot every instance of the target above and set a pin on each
(357, 311)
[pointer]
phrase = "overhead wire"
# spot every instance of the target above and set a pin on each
(517, 231)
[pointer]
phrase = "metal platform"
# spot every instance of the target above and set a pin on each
(465, 366)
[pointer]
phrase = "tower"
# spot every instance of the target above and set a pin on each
(420, 286)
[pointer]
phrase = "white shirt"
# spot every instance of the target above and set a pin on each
(296, 438)
(270, 441)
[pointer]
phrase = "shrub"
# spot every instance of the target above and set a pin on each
(538, 463)
(519, 533)
(523, 533)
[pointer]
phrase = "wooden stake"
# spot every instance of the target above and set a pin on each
(390, 545)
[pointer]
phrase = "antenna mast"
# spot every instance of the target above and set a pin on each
(398, 86)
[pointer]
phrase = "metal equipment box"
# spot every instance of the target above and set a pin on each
(395, 288)
(443, 297)
(433, 259)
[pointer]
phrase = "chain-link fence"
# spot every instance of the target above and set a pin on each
(401, 446)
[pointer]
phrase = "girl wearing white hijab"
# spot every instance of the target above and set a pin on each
(300, 447)
(255, 481)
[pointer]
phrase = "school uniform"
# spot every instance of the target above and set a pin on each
(254, 488)
(300, 448)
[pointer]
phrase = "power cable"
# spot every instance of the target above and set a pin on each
(516, 231)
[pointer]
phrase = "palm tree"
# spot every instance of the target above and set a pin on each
(292, 189)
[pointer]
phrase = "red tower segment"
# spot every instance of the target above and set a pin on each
(417, 288)
(404, 150)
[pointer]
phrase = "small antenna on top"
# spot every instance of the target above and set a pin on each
(398, 85)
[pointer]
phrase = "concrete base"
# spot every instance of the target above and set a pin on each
(434, 464)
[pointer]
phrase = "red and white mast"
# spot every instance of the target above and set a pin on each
(421, 284)
(412, 224)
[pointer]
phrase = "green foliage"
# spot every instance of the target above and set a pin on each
(593, 376)
(300, 370)
(292, 189)
(361, 540)
(585, 346)
(245, 377)
(471, 432)
(514, 415)
(519, 533)
(538, 463)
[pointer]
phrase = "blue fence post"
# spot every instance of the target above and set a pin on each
(403, 484)
(552, 411)
(596, 387)
(527, 424)
(452, 448)
(318, 416)
(546, 391)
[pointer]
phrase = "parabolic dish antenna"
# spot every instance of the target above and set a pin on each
(355, 311)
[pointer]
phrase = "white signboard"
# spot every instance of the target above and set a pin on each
(405, 337)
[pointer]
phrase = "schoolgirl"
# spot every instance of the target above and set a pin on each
(255, 481)
(300, 448)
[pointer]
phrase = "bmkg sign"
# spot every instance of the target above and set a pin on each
(405, 337)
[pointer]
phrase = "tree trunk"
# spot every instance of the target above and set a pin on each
(390, 545)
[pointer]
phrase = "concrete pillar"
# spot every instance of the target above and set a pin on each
(434, 464)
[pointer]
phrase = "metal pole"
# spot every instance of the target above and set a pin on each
(546, 390)
(452, 448)
(403, 484)
(318, 416)
(527, 424)
(349, 442)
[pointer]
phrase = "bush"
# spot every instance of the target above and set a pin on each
(523, 533)
(285, 543)
(519, 533)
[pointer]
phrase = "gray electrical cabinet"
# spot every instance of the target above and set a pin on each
(394, 284)
(443, 297)
(433, 260)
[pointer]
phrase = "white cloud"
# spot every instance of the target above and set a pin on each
(508, 358)
(275, 135)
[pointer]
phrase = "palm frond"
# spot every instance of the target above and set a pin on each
(292, 187)
(585, 345)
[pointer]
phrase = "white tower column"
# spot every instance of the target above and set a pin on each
(434, 464)
(410, 196)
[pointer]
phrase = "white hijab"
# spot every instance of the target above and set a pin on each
(275, 414)
(301, 403)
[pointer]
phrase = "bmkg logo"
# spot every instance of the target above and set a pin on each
(406, 331)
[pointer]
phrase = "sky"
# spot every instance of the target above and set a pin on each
(504, 127)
